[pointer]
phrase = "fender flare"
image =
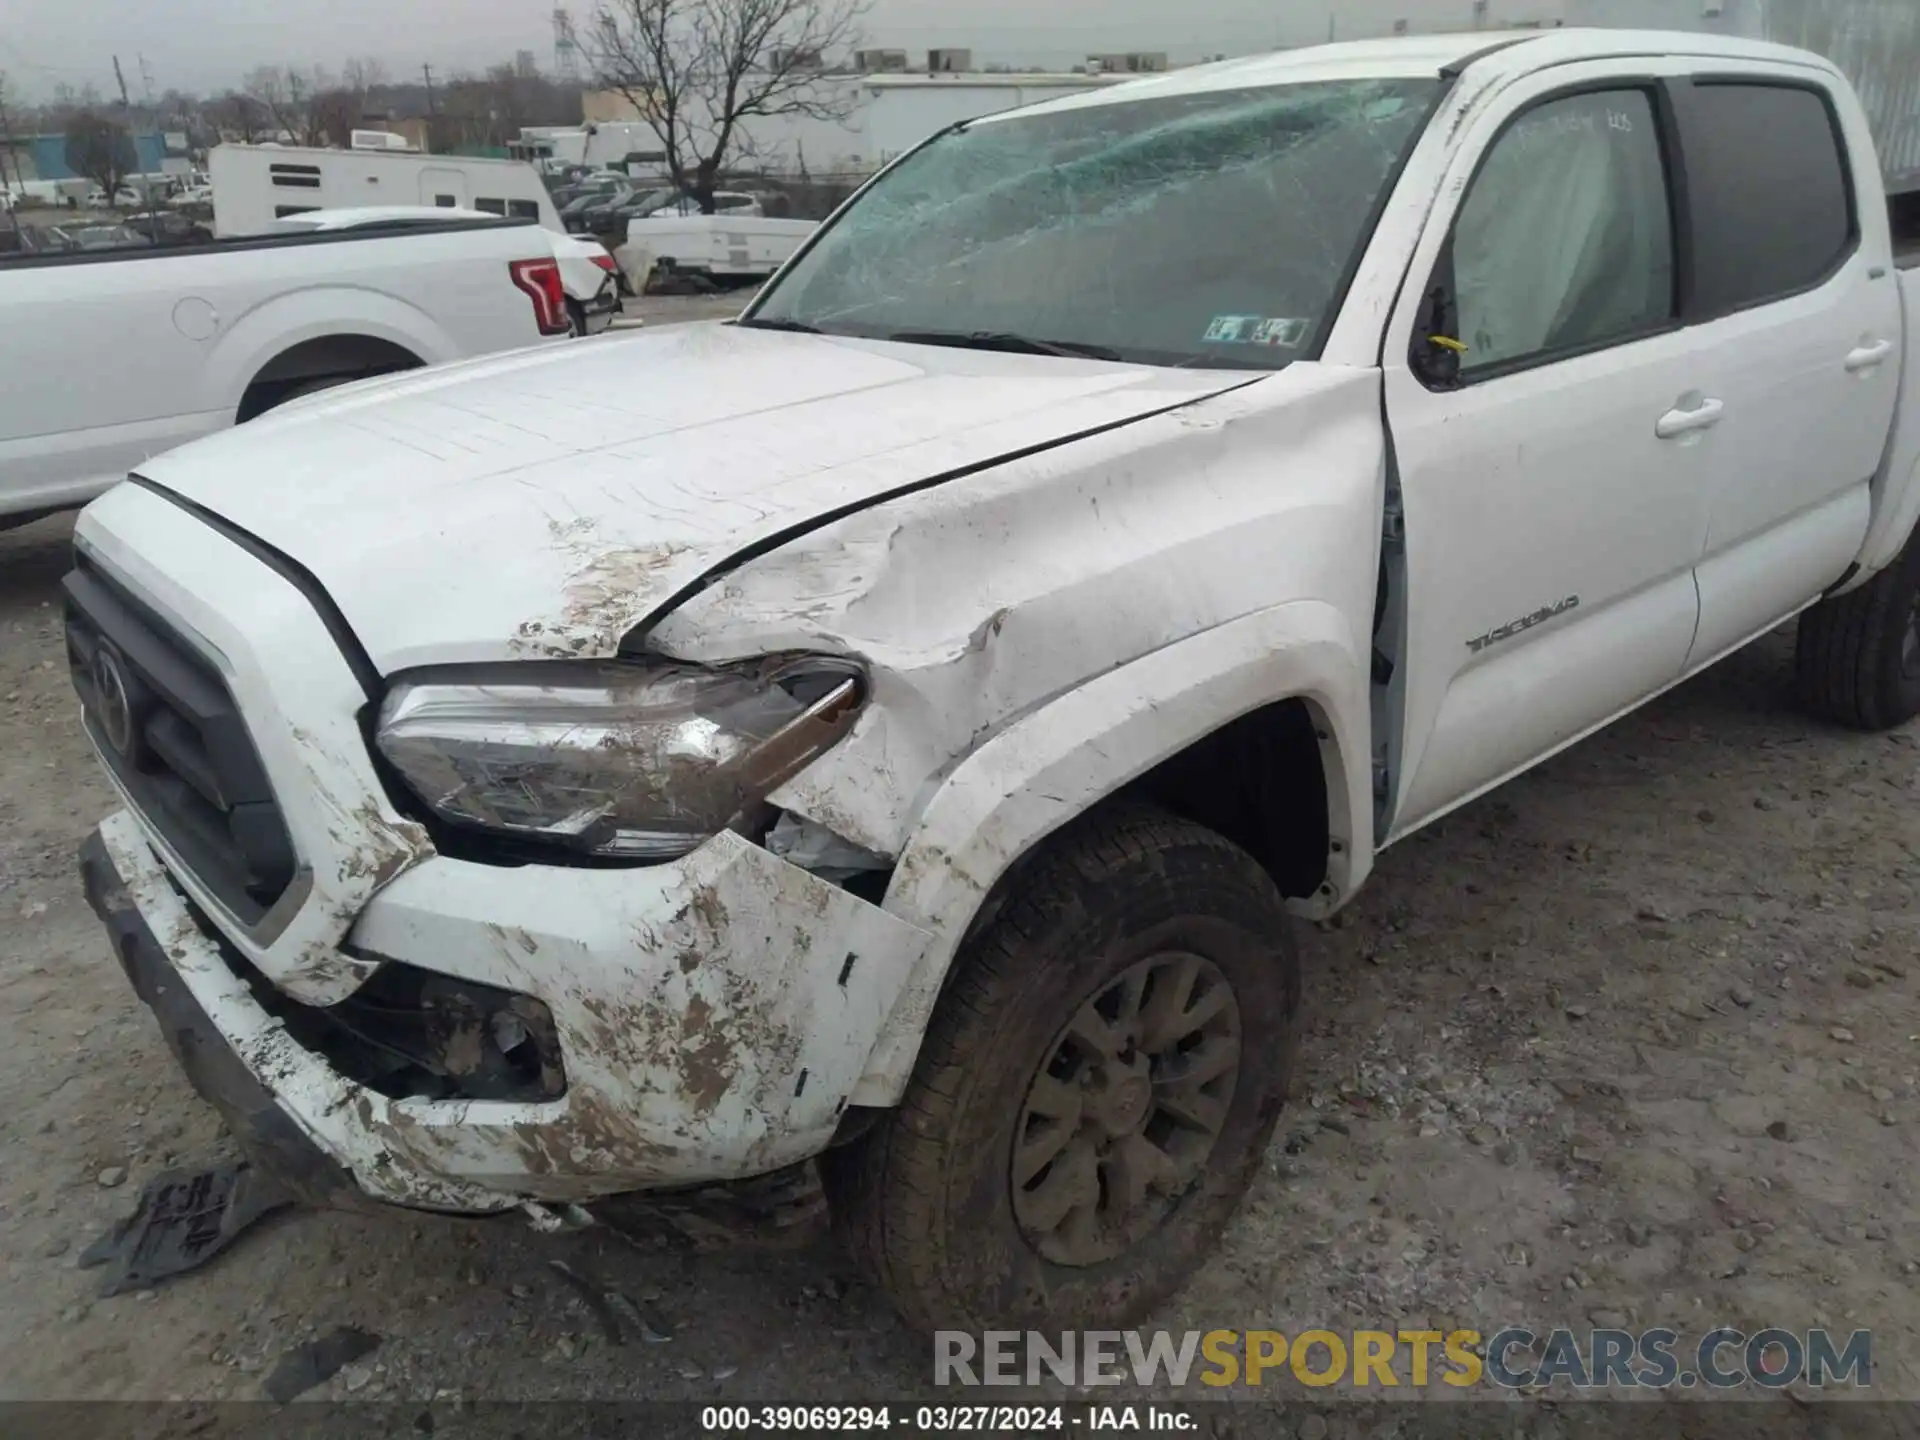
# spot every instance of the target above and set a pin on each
(1894, 528)
(257, 338)
(1056, 762)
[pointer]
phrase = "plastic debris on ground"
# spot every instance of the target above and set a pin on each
(181, 1221)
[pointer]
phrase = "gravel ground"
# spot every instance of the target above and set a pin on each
(1633, 1041)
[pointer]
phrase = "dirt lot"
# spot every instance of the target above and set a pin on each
(1634, 1041)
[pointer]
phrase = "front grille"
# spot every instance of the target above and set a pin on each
(168, 727)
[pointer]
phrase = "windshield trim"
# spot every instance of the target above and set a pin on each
(1337, 299)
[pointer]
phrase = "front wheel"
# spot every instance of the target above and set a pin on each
(1095, 1092)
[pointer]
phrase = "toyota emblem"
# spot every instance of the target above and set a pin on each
(115, 705)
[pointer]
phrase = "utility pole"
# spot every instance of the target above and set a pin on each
(124, 102)
(6, 132)
(426, 73)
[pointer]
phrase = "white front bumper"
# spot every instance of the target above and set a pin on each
(713, 1015)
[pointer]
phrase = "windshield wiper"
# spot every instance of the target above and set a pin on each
(1004, 340)
(798, 326)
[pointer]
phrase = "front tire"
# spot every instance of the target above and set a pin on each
(1095, 1091)
(1857, 659)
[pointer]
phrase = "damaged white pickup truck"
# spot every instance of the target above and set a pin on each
(891, 732)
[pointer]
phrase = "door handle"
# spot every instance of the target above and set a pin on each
(1675, 423)
(1869, 357)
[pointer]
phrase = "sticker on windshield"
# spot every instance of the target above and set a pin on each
(1254, 330)
(1230, 329)
(1280, 332)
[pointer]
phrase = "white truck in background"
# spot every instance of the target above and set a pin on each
(113, 356)
(893, 734)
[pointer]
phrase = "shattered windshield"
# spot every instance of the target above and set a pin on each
(1208, 229)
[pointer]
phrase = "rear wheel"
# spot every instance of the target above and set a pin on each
(1095, 1091)
(1858, 657)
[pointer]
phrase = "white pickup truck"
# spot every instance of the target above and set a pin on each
(112, 356)
(896, 731)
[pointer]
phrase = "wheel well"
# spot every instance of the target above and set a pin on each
(1260, 782)
(330, 357)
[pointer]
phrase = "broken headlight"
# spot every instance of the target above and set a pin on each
(637, 760)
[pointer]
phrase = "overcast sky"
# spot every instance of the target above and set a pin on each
(208, 44)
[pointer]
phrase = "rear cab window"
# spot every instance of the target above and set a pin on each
(1770, 189)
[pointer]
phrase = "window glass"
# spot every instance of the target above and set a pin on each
(1210, 228)
(492, 207)
(524, 209)
(445, 202)
(1566, 238)
(1767, 178)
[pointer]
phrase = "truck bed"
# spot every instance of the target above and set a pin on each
(21, 260)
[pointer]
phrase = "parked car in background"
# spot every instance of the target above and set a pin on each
(125, 197)
(168, 227)
(581, 214)
(100, 237)
(667, 204)
(586, 268)
(138, 347)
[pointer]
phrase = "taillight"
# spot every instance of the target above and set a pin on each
(606, 263)
(540, 281)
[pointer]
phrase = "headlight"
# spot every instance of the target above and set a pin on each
(637, 760)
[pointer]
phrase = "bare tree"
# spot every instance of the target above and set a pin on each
(236, 114)
(698, 71)
(332, 117)
(361, 74)
(286, 94)
(101, 150)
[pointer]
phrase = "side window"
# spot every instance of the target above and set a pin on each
(1767, 180)
(1565, 239)
(524, 209)
(492, 207)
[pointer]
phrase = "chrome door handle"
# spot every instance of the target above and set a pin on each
(1676, 423)
(1869, 357)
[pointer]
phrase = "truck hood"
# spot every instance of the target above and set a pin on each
(545, 501)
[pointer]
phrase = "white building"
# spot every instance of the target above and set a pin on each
(887, 115)
(881, 116)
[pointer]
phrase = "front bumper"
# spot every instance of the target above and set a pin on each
(713, 1016)
(265, 1131)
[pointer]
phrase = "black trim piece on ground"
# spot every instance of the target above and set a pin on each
(295, 574)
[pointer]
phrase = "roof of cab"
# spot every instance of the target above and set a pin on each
(1413, 56)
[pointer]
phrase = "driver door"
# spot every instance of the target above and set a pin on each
(1554, 454)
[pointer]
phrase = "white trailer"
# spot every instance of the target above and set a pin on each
(255, 185)
(714, 247)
